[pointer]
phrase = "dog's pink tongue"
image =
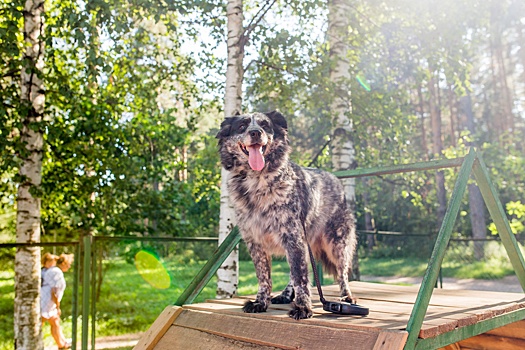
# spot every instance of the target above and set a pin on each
(256, 158)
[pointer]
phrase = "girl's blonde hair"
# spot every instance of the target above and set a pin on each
(66, 257)
(47, 257)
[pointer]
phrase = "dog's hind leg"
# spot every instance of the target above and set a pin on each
(286, 297)
(340, 245)
(342, 279)
(262, 262)
(343, 254)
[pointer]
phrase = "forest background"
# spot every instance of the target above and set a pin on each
(134, 96)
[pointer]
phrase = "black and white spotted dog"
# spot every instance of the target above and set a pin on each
(276, 201)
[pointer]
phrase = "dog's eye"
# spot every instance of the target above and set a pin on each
(264, 124)
(242, 127)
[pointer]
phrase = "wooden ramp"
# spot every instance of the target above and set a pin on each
(221, 324)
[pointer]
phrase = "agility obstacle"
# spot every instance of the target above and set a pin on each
(401, 317)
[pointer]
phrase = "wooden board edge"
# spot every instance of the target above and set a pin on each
(159, 327)
(391, 340)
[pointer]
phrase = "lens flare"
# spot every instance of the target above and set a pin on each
(152, 270)
(362, 81)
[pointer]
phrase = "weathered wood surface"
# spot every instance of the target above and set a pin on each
(509, 337)
(221, 324)
(157, 330)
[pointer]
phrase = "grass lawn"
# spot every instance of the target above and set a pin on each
(128, 304)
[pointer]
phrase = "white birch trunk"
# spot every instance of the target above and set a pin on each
(27, 321)
(343, 151)
(228, 273)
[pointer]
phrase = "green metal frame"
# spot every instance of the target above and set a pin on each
(472, 163)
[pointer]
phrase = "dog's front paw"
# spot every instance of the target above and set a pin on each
(281, 299)
(299, 312)
(351, 300)
(254, 307)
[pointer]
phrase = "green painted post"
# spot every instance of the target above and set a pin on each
(400, 168)
(488, 191)
(211, 267)
(74, 312)
(85, 291)
(93, 292)
(431, 274)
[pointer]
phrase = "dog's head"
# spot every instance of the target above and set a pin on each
(254, 141)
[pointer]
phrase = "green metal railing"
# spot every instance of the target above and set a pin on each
(472, 163)
(89, 283)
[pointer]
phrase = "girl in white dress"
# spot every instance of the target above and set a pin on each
(53, 286)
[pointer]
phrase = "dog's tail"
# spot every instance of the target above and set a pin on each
(330, 267)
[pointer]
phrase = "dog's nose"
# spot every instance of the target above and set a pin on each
(255, 133)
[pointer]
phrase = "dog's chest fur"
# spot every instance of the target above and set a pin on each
(270, 205)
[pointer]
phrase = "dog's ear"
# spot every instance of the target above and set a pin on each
(278, 121)
(226, 126)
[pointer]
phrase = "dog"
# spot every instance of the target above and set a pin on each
(279, 205)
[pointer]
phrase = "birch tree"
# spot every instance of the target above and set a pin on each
(343, 151)
(27, 322)
(228, 273)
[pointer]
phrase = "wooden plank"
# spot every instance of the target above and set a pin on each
(326, 319)
(406, 294)
(492, 342)
(157, 330)
(269, 332)
(179, 338)
(454, 346)
(321, 317)
(392, 314)
(391, 340)
(513, 330)
(462, 333)
(362, 287)
(396, 320)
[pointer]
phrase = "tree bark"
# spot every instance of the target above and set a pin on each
(424, 146)
(27, 321)
(343, 152)
(503, 93)
(453, 118)
(228, 273)
(476, 203)
(369, 219)
(521, 38)
(437, 149)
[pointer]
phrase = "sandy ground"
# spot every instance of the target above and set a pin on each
(508, 284)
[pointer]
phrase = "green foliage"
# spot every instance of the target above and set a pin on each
(516, 214)
(122, 113)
